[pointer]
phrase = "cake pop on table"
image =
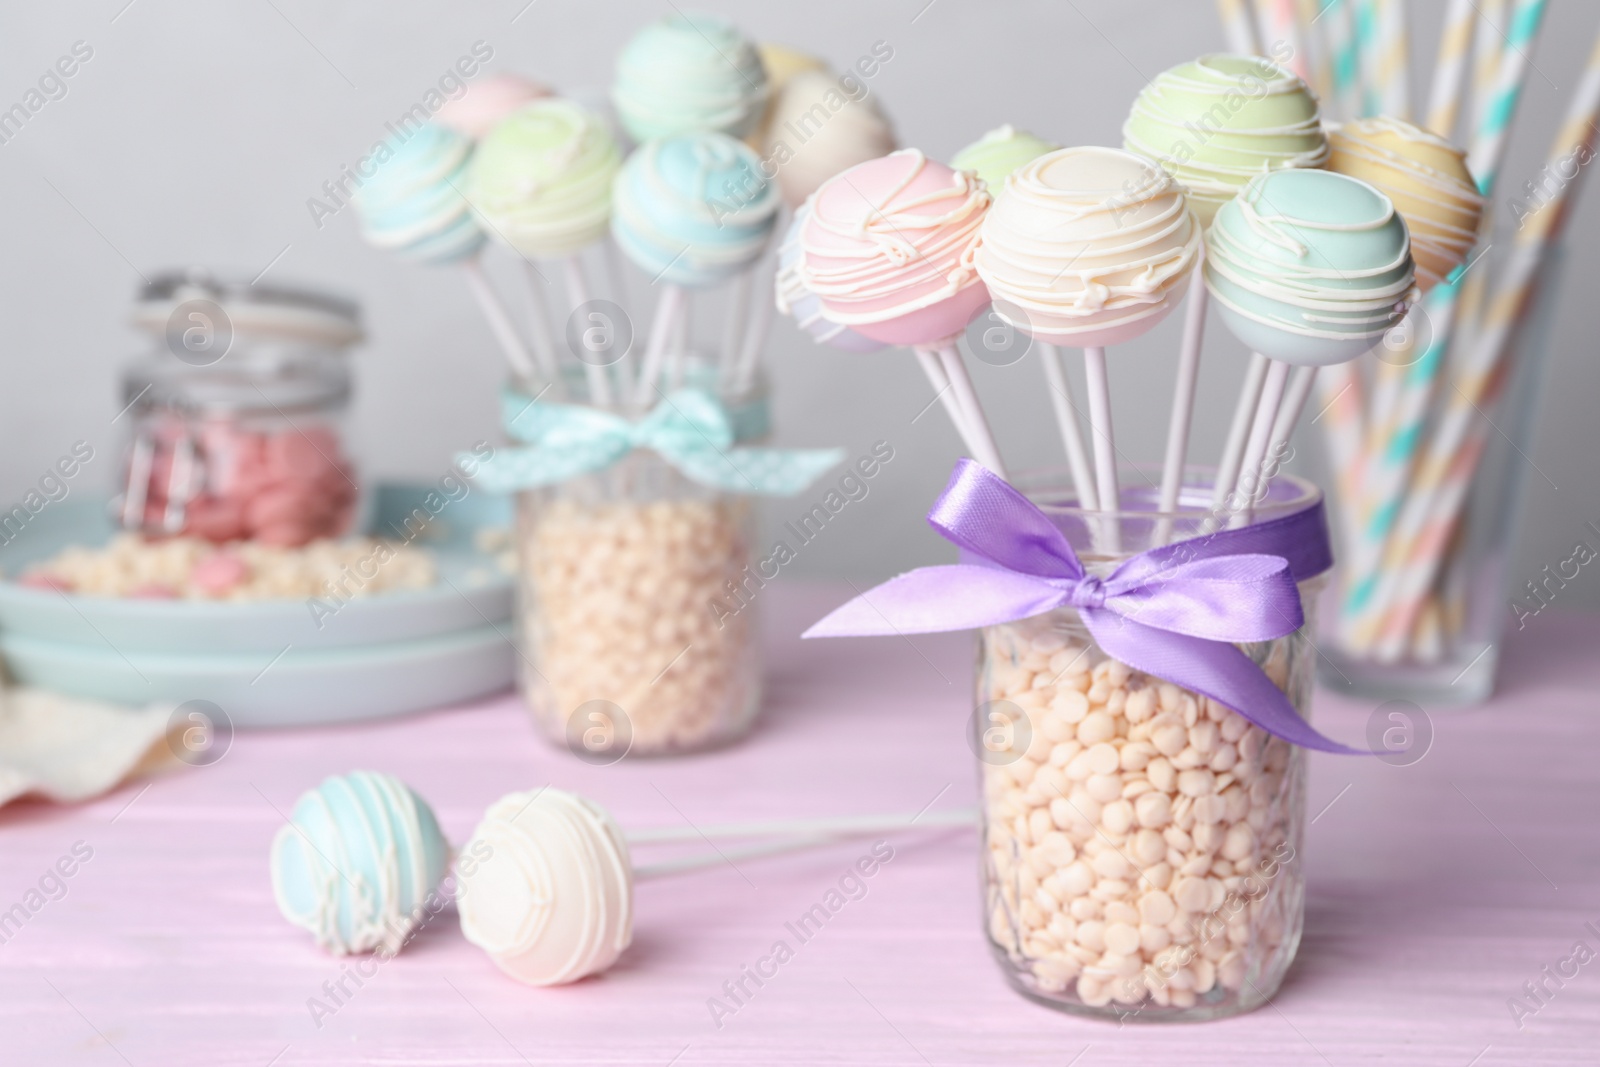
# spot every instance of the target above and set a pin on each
(689, 73)
(1089, 247)
(1215, 123)
(541, 182)
(691, 211)
(1308, 268)
(887, 249)
(358, 863)
(415, 205)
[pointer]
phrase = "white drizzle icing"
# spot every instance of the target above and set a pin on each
(1077, 259)
(898, 245)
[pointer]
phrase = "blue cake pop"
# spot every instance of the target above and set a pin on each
(414, 205)
(359, 863)
(694, 209)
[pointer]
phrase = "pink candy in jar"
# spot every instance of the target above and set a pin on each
(225, 482)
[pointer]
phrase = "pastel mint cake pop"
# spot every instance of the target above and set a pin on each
(693, 210)
(414, 204)
(687, 73)
(358, 863)
(1309, 267)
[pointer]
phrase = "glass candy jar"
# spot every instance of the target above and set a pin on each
(1141, 842)
(237, 414)
(639, 603)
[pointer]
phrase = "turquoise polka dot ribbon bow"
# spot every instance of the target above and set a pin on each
(689, 429)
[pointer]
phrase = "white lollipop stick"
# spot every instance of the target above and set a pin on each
(594, 374)
(616, 272)
(934, 371)
(733, 326)
(544, 345)
(678, 353)
(505, 333)
(1055, 375)
(755, 338)
(669, 308)
(1238, 432)
(1105, 449)
(700, 860)
(1294, 403)
(982, 438)
(843, 825)
(1255, 452)
(1194, 329)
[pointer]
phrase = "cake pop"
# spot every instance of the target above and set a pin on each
(1089, 247)
(887, 247)
(1217, 122)
(1309, 268)
(553, 902)
(414, 205)
(1214, 124)
(793, 298)
(1426, 177)
(358, 863)
(541, 180)
(486, 103)
(1093, 245)
(781, 63)
(686, 74)
(691, 210)
(994, 156)
(818, 129)
(549, 892)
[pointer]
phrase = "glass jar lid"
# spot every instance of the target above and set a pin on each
(286, 312)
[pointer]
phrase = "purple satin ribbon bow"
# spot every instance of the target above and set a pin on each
(1174, 612)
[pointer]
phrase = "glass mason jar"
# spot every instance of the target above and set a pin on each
(1141, 842)
(639, 604)
(236, 416)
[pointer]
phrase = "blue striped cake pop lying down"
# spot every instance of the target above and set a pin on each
(359, 863)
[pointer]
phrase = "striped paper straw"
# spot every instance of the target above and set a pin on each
(1489, 147)
(1285, 33)
(1344, 59)
(1436, 502)
(1393, 76)
(1239, 25)
(1487, 46)
(1339, 391)
(1372, 582)
(1367, 41)
(1450, 69)
(1316, 45)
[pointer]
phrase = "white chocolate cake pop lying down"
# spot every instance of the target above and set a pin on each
(549, 892)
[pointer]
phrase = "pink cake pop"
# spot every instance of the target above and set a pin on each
(887, 247)
(485, 103)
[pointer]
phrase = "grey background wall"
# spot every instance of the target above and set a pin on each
(198, 130)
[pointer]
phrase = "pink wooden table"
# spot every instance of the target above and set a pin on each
(1436, 891)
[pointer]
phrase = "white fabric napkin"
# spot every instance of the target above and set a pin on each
(70, 749)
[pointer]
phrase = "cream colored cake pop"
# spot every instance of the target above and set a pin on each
(819, 129)
(1427, 179)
